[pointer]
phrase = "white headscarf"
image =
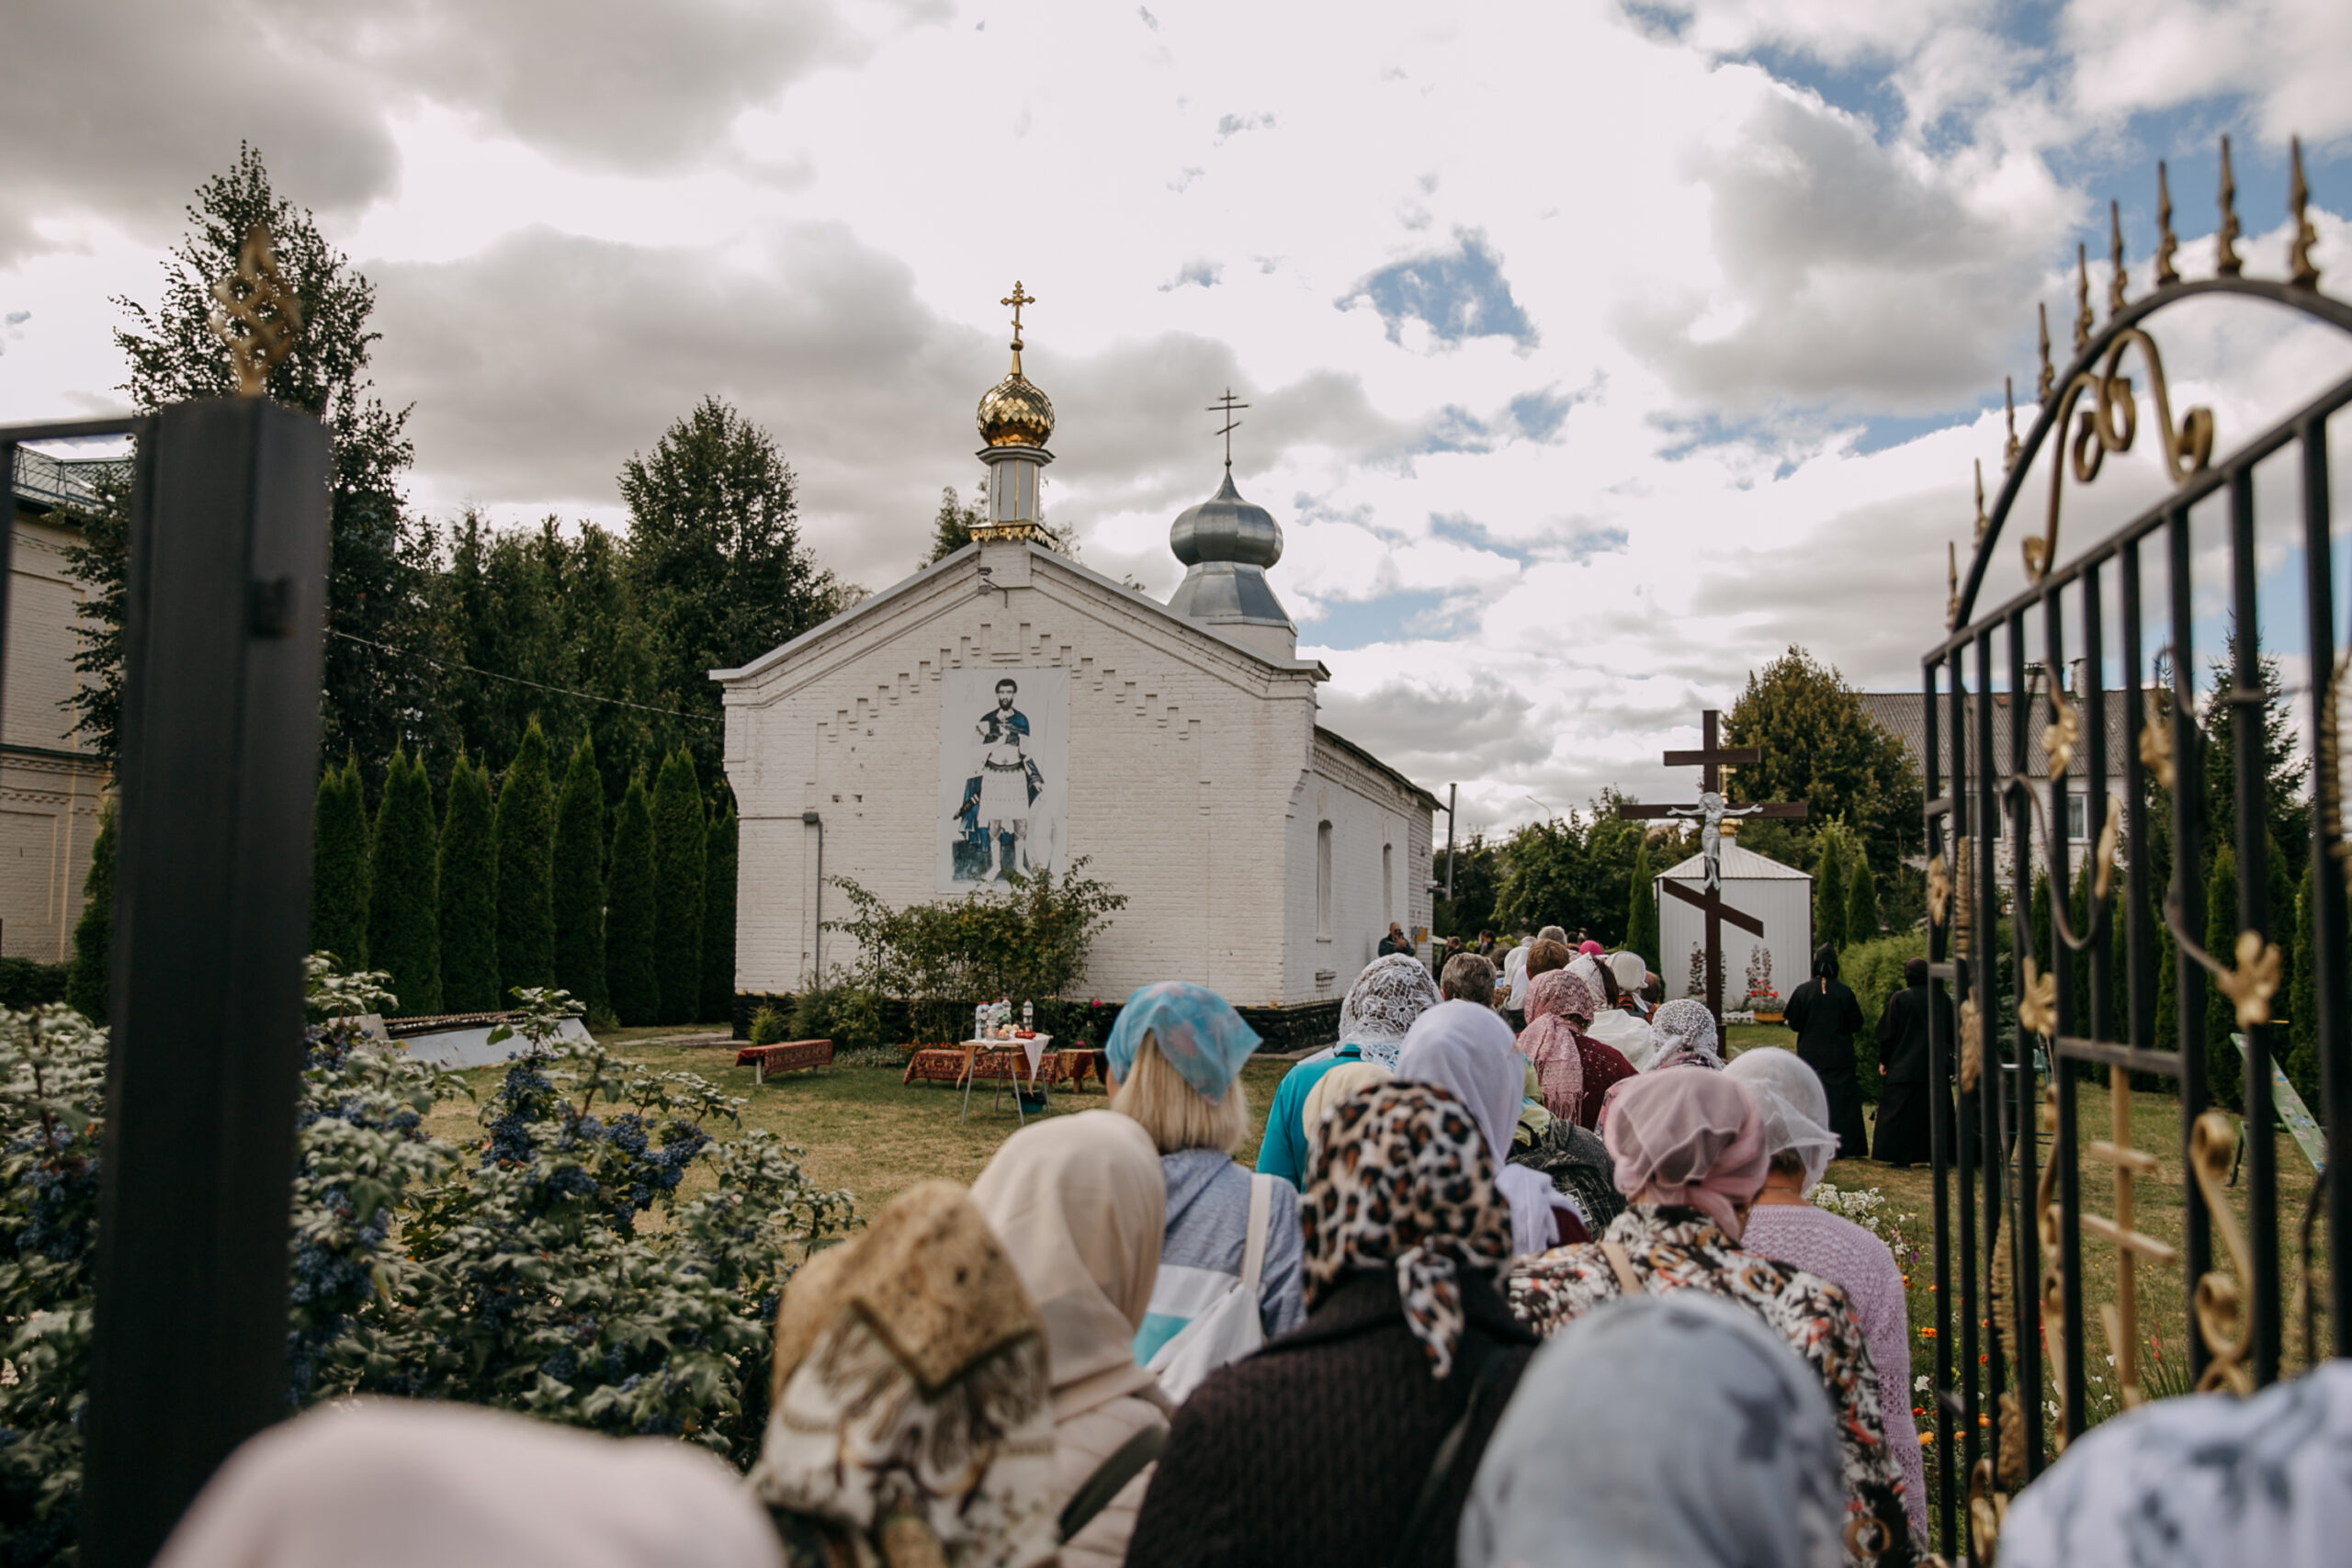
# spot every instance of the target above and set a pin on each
(1662, 1430)
(1795, 1106)
(2203, 1481)
(1393, 990)
(391, 1483)
(1081, 1204)
(1686, 1036)
(1467, 1049)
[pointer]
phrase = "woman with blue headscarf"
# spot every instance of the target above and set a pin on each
(1175, 1056)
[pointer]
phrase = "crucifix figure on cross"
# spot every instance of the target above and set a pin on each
(1709, 813)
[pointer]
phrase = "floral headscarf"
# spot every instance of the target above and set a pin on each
(1557, 1004)
(1195, 1030)
(1393, 990)
(1686, 1036)
(1403, 1180)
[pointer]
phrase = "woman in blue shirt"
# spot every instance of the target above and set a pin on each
(1379, 1011)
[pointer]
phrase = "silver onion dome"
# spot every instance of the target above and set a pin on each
(1227, 544)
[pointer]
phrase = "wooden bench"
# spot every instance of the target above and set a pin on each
(785, 1056)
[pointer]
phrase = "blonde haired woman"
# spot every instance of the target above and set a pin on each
(1176, 1056)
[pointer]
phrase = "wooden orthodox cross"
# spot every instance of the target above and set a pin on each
(1709, 813)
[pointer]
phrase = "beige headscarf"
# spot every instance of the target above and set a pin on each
(390, 1483)
(910, 1409)
(1332, 1087)
(1080, 1203)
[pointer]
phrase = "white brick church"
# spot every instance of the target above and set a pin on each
(1007, 707)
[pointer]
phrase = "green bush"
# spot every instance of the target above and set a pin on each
(768, 1027)
(510, 1271)
(525, 849)
(629, 913)
(403, 917)
(580, 880)
(468, 902)
(679, 851)
(1875, 969)
(28, 982)
(847, 1014)
(90, 985)
(1030, 943)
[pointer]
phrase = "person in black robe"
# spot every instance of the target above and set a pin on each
(1906, 1100)
(1824, 1014)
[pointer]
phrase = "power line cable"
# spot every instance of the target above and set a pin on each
(518, 681)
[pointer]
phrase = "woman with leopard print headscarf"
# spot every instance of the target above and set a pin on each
(1407, 1342)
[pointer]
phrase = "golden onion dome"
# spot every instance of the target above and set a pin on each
(1015, 414)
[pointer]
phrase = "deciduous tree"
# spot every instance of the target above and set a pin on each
(1821, 748)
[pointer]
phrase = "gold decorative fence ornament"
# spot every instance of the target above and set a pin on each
(2328, 780)
(2156, 740)
(254, 314)
(2221, 1313)
(2038, 1001)
(2061, 735)
(1938, 890)
(2046, 1224)
(2121, 1317)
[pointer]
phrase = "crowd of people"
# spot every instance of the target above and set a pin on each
(1514, 1284)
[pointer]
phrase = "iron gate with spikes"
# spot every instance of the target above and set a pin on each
(2007, 744)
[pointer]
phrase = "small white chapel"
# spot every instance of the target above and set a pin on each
(1007, 709)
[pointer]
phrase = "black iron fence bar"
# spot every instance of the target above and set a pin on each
(2140, 957)
(2017, 1088)
(2334, 312)
(2327, 886)
(2091, 706)
(1940, 1057)
(2246, 703)
(2189, 899)
(2186, 493)
(1984, 991)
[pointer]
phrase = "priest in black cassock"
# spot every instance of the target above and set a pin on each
(1908, 1098)
(1825, 1014)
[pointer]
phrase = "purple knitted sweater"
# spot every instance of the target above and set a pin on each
(1848, 1256)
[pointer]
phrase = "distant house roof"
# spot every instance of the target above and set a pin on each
(1739, 865)
(1903, 715)
(42, 483)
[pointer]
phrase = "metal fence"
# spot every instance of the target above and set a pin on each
(218, 742)
(2014, 1337)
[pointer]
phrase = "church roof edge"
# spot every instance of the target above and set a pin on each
(1369, 761)
(1739, 865)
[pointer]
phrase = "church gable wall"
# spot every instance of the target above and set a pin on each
(1181, 754)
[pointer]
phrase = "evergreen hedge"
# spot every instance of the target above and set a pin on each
(339, 852)
(580, 880)
(1641, 911)
(524, 835)
(2225, 1069)
(90, 984)
(679, 852)
(629, 912)
(719, 918)
(468, 904)
(1829, 894)
(404, 914)
(1862, 902)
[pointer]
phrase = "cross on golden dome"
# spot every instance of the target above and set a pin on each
(1016, 300)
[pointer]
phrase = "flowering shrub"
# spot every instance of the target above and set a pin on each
(601, 1256)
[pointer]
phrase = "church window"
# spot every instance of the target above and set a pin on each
(1323, 879)
(2075, 816)
(1387, 881)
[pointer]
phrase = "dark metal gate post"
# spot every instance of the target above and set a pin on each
(219, 758)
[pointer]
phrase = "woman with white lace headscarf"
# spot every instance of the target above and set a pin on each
(1378, 1013)
(1686, 1037)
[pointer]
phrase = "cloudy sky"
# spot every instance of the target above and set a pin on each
(1596, 349)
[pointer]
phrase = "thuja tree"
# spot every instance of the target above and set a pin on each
(1641, 912)
(629, 912)
(580, 880)
(469, 906)
(91, 981)
(1829, 896)
(339, 866)
(525, 851)
(515, 1271)
(679, 848)
(2224, 1070)
(719, 918)
(404, 914)
(1862, 901)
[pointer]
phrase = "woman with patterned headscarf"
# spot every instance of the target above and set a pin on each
(1374, 1021)
(1686, 1036)
(1575, 1069)
(1689, 1150)
(1354, 1440)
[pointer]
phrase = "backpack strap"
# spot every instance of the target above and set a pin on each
(1127, 1462)
(1621, 1264)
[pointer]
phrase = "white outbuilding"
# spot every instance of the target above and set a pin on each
(1780, 896)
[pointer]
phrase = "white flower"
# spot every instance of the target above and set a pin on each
(1919, 1383)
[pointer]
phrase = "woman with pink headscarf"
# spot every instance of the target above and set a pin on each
(1572, 1067)
(1690, 1151)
